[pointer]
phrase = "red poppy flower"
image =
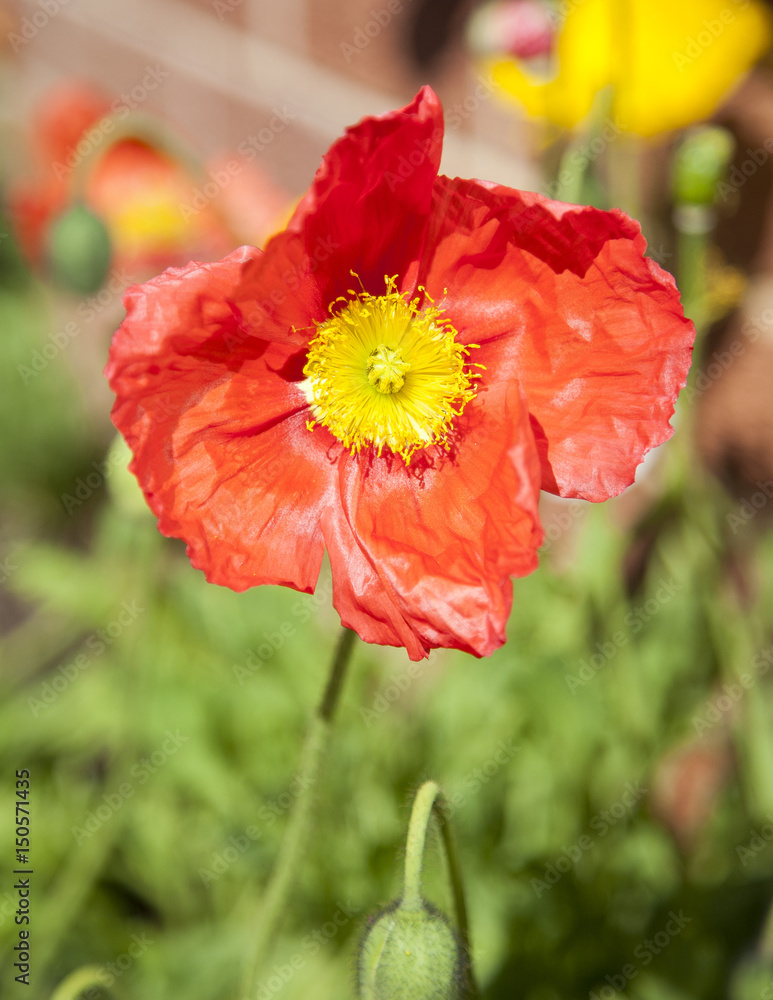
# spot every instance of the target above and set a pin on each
(327, 393)
(147, 199)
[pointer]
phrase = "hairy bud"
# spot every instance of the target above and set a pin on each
(410, 953)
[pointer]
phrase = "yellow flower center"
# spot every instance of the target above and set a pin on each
(383, 371)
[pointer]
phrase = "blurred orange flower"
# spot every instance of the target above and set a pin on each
(158, 211)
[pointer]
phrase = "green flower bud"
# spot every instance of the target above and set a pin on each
(79, 250)
(700, 163)
(410, 953)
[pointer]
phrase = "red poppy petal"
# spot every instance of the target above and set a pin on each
(279, 295)
(368, 206)
(366, 211)
(562, 298)
(445, 535)
(216, 422)
(359, 594)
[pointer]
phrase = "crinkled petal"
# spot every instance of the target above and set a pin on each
(563, 299)
(216, 421)
(365, 212)
(368, 207)
(434, 544)
(360, 596)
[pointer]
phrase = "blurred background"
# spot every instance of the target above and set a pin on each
(610, 770)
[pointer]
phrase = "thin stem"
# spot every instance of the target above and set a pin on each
(278, 889)
(694, 228)
(429, 799)
(343, 651)
(573, 170)
(423, 805)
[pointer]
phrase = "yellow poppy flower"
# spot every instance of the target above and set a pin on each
(670, 61)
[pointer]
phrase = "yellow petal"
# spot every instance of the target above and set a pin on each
(670, 61)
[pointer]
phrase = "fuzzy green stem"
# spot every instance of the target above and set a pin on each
(277, 891)
(429, 799)
(423, 805)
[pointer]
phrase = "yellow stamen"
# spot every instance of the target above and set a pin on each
(383, 371)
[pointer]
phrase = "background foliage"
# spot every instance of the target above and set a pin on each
(607, 769)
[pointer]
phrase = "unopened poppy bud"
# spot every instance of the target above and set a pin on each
(700, 164)
(79, 250)
(410, 953)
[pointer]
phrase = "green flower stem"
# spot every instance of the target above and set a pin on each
(429, 799)
(571, 180)
(277, 891)
(694, 225)
(78, 982)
